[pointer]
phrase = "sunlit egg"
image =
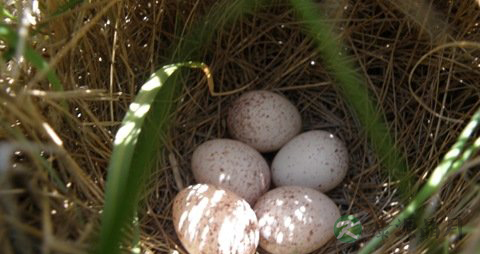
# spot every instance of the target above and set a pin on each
(315, 159)
(232, 165)
(264, 120)
(303, 224)
(230, 227)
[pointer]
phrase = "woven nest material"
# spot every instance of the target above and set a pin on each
(106, 50)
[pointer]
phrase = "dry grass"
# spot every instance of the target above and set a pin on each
(425, 103)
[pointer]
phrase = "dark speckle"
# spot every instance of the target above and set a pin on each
(251, 227)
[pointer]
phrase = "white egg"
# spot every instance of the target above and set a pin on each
(295, 219)
(263, 120)
(315, 159)
(232, 165)
(212, 220)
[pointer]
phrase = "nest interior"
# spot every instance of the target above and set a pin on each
(104, 51)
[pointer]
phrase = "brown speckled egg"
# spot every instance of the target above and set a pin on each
(232, 165)
(295, 219)
(315, 159)
(263, 120)
(212, 220)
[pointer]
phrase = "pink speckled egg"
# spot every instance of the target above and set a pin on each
(315, 159)
(263, 120)
(295, 219)
(232, 165)
(212, 220)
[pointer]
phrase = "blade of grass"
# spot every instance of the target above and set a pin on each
(136, 248)
(221, 14)
(450, 164)
(5, 13)
(124, 177)
(9, 35)
(120, 202)
(355, 92)
(66, 6)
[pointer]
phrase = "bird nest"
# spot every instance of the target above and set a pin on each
(423, 80)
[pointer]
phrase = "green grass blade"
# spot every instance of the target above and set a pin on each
(5, 13)
(9, 35)
(451, 163)
(136, 248)
(67, 6)
(119, 206)
(129, 163)
(38, 62)
(355, 92)
(221, 13)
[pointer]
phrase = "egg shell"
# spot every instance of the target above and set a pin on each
(264, 120)
(232, 165)
(315, 159)
(295, 219)
(212, 220)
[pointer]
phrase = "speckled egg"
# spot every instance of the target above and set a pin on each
(315, 159)
(263, 120)
(232, 165)
(295, 219)
(212, 220)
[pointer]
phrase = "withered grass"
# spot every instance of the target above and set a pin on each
(53, 205)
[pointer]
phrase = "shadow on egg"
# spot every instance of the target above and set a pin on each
(231, 165)
(268, 222)
(295, 219)
(211, 220)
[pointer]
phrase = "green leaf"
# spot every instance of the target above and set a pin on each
(5, 13)
(124, 183)
(8, 35)
(450, 164)
(133, 151)
(356, 93)
(67, 6)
